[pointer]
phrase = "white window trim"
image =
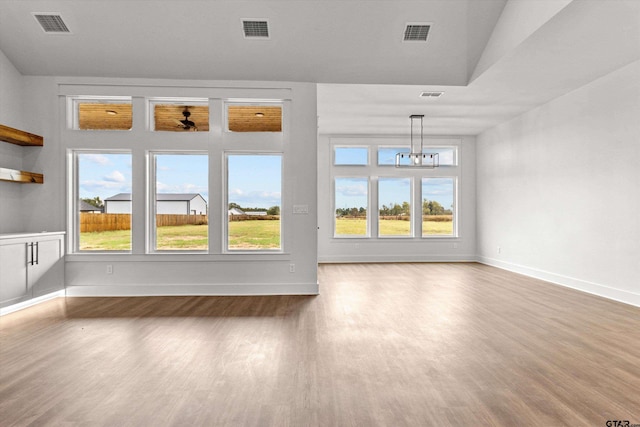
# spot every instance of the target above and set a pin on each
(73, 198)
(412, 220)
(455, 210)
(73, 102)
(333, 156)
(225, 206)
(334, 207)
(151, 203)
(252, 103)
(152, 102)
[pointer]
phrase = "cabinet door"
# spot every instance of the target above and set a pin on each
(13, 273)
(47, 272)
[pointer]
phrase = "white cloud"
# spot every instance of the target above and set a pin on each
(115, 176)
(96, 158)
(354, 190)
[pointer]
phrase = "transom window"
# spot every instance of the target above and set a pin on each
(100, 113)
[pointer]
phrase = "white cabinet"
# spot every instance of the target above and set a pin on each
(31, 265)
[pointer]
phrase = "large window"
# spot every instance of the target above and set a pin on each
(411, 202)
(180, 201)
(438, 207)
(254, 185)
(147, 191)
(351, 202)
(394, 207)
(103, 201)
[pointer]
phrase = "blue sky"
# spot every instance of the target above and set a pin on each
(254, 181)
(104, 175)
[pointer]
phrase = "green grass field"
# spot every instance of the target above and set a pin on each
(358, 227)
(245, 235)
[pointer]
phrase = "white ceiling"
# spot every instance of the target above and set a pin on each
(369, 79)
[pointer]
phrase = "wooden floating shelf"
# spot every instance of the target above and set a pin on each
(20, 137)
(22, 177)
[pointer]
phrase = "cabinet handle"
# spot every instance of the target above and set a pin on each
(37, 252)
(31, 247)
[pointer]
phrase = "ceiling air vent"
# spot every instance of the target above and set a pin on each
(52, 23)
(416, 32)
(431, 94)
(255, 28)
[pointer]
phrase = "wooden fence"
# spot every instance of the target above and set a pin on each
(93, 222)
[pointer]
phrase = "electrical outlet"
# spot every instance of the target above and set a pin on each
(109, 269)
(292, 268)
(455, 246)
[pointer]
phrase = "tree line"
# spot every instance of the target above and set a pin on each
(273, 210)
(429, 207)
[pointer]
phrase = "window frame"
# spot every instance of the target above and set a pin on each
(252, 103)
(412, 226)
(367, 235)
(73, 191)
(225, 190)
(73, 110)
(151, 202)
(337, 147)
(152, 102)
(454, 209)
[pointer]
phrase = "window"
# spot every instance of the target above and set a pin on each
(387, 155)
(103, 201)
(180, 201)
(254, 185)
(351, 202)
(254, 118)
(180, 115)
(100, 113)
(351, 156)
(394, 207)
(438, 207)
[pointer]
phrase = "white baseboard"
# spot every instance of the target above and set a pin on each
(569, 282)
(389, 258)
(189, 289)
(31, 302)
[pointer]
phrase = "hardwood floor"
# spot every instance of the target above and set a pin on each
(383, 345)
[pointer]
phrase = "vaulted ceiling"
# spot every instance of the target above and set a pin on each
(493, 59)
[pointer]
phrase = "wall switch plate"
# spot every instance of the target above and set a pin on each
(301, 209)
(109, 269)
(292, 268)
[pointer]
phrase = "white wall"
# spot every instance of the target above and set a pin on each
(174, 207)
(149, 274)
(197, 206)
(559, 189)
(118, 207)
(11, 156)
(462, 248)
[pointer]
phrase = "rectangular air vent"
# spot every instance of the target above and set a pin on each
(255, 28)
(431, 94)
(52, 23)
(416, 32)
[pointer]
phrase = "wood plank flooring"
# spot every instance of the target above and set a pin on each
(383, 345)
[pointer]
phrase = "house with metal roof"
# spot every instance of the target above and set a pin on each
(166, 203)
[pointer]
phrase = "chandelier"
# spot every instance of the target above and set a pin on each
(416, 158)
